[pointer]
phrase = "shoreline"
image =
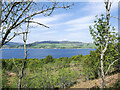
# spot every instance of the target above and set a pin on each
(48, 48)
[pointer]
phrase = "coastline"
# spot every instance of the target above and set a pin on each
(48, 48)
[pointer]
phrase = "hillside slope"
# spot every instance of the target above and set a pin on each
(52, 45)
(110, 81)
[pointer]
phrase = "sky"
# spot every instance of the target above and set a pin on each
(69, 25)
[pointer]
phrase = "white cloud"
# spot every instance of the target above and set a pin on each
(85, 21)
(47, 20)
(78, 27)
(75, 26)
(94, 8)
(82, 23)
(114, 6)
(50, 32)
(80, 35)
(97, 0)
(80, 20)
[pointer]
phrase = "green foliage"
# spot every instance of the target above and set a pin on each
(91, 65)
(48, 59)
(4, 79)
(57, 73)
(66, 77)
(43, 73)
(99, 32)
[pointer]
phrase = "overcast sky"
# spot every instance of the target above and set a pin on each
(69, 25)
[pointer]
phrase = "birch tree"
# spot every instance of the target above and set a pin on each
(103, 35)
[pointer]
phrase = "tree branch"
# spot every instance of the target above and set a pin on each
(6, 7)
(10, 11)
(98, 43)
(37, 23)
(21, 14)
(110, 66)
(18, 21)
(38, 13)
(15, 34)
(18, 70)
(115, 17)
(8, 31)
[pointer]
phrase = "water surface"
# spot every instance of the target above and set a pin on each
(42, 53)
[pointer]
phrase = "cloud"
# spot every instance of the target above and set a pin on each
(97, 8)
(94, 8)
(49, 19)
(82, 23)
(78, 27)
(73, 26)
(98, 0)
(50, 32)
(80, 20)
(80, 35)
(114, 6)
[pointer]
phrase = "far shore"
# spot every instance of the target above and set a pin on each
(49, 48)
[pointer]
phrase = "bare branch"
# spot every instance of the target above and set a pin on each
(15, 34)
(115, 17)
(17, 21)
(10, 11)
(21, 14)
(18, 70)
(8, 31)
(6, 7)
(38, 13)
(110, 66)
(37, 23)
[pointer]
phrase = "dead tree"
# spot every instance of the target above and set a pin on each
(20, 71)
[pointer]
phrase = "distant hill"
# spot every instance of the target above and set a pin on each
(51, 45)
(12, 45)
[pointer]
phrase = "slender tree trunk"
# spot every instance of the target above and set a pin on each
(108, 6)
(19, 84)
(102, 72)
(21, 74)
(0, 23)
(0, 46)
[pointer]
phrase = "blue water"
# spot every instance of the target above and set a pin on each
(42, 53)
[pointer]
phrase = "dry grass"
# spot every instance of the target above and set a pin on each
(110, 80)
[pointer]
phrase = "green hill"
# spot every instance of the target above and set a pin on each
(53, 45)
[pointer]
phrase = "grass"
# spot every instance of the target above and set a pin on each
(110, 81)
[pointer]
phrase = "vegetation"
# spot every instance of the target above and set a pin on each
(54, 73)
(43, 73)
(63, 72)
(104, 37)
